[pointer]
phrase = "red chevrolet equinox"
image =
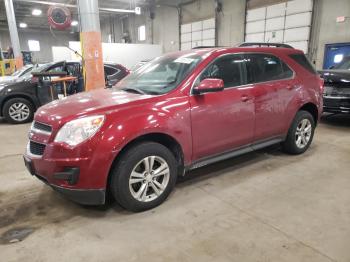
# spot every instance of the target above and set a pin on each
(178, 112)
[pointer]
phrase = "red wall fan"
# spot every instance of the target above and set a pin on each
(59, 17)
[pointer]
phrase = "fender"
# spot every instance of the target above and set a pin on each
(302, 97)
(131, 123)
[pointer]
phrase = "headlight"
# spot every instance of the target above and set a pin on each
(79, 130)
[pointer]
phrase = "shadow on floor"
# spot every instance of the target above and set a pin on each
(340, 120)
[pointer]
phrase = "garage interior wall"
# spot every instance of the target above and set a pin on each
(230, 24)
(199, 33)
(164, 28)
(45, 39)
(325, 28)
(287, 22)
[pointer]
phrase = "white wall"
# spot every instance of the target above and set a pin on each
(166, 28)
(44, 37)
(126, 54)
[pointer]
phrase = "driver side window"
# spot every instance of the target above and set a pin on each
(228, 68)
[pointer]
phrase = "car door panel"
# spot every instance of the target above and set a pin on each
(272, 85)
(222, 121)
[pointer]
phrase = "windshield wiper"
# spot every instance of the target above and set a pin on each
(133, 89)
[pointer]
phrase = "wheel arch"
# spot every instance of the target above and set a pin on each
(164, 139)
(312, 109)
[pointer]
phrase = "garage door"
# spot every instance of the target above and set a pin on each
(288, 23)
(200, 33)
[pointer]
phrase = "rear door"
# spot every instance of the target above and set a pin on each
(223, 120)
(274, 86)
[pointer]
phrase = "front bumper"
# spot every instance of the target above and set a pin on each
(336, 104)
(68, 177)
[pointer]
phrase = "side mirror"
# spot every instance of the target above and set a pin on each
(108, 82)
(331, 67)
(209, 85)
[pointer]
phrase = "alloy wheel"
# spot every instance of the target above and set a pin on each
(19, 112)
(303, 133)
(149, 178)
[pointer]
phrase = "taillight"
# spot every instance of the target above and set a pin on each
(34, 79)
(321, 83)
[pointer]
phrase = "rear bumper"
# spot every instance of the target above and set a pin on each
(336, 104)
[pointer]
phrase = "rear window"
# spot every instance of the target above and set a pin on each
(265, 67)
(302, 60)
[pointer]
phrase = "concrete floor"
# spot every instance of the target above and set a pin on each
(264, 206)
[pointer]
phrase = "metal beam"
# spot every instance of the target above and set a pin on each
(110, 10)
(11, 21)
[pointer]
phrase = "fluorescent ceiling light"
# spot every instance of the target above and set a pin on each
(74, 23)
(22, 25)
(36, 12)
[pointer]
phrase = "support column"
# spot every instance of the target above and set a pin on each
(91, 45)
(11, 20)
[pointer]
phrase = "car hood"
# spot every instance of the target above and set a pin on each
(7, 79)
(87, 103)
(336, 76)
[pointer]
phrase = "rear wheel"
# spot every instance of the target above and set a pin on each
(18, 111)
(300, 133)
(144, 176)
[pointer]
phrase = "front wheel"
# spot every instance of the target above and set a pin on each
(18, 110)
(300, 134)
(144, 176)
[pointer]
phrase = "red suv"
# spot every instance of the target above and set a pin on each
(178, 112)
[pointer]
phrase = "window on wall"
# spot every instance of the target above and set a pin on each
(33, 45)
(142, 33)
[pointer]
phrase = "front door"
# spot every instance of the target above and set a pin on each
(224, 120)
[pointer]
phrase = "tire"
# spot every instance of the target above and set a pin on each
(128, 193)
(25, 111)
(298, 139)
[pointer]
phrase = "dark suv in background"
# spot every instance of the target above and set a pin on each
(178, 112)
(336, 96)
(20, 98)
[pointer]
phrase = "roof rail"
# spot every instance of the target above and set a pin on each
(205, 46)
(246, 44)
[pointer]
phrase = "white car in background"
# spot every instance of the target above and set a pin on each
(25, 69)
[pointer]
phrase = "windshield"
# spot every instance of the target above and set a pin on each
(36, 68)
(161, 75)
(22, 70)
(345, 64)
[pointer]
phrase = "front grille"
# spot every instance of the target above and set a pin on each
(36, 148)
(336, 91)
(42, 127)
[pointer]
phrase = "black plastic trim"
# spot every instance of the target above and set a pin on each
(70, 174)
(235, 152)
(83, 196)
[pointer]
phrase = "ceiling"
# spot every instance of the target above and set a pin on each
(23, 10)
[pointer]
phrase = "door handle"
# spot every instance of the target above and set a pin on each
(244, 98)
(291, 87)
